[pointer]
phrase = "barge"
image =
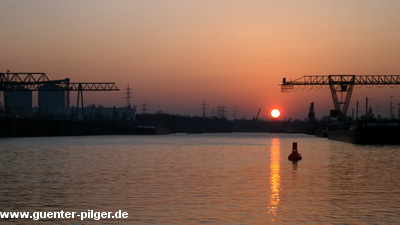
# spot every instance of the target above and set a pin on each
(367, 132)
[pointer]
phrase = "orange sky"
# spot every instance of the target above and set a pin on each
(177, 53)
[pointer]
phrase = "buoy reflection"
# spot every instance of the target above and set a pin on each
(274, 179)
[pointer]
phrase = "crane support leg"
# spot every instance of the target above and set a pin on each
(80, 98)
(334, 97)
(346, 86)
(348, 98)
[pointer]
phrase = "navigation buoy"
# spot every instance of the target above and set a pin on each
(294, 156)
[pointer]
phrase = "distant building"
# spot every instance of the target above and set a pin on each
(90, 113)
(51, 97)
(114, 113)
(19, 102)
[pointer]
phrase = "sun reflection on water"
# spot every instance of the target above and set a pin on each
(274, 178)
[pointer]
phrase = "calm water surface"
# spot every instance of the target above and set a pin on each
(202, 179)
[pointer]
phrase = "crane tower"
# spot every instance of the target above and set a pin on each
(343, 84)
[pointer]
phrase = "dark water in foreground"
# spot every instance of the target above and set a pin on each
(201, 179)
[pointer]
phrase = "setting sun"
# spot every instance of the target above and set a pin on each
(275, 113)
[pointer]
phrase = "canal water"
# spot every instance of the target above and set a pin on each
(236, 178)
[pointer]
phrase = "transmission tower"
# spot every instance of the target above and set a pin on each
(343, 84)
(204, 107)
(234, 112)
(221, 110)
(128, 96)
(144, 108)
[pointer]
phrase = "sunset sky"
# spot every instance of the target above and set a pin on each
(177, 53)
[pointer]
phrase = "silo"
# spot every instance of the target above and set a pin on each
(51, 97)
(19, 102)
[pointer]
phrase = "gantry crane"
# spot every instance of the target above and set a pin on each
(34, 82)
(340, 84)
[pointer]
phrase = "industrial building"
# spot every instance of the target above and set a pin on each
(51, 97)
(90, 113)
(19, 102)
